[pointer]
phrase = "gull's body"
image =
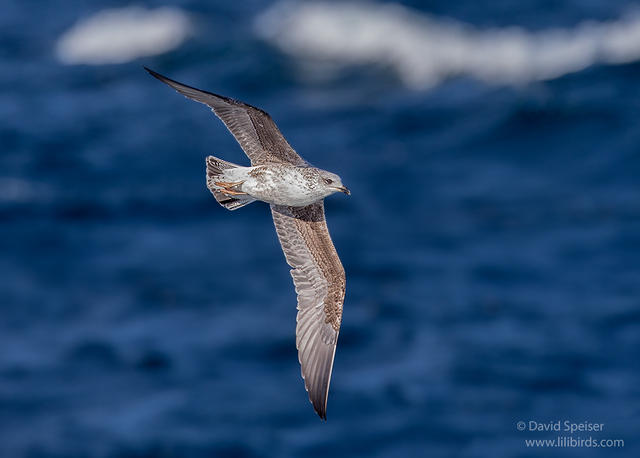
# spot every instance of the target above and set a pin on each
(296, 191)
(279, 184)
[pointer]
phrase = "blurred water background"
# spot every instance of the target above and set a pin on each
(491, 240)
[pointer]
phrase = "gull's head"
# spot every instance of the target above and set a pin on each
(331, 182)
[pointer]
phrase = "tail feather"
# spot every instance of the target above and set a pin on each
(217, 166)
(215, 173)
(231, 202)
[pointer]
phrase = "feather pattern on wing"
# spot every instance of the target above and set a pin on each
(253, 128)
(319, 280)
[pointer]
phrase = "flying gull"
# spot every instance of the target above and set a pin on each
(295, 191)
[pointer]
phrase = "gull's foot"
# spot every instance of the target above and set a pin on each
(227, 187)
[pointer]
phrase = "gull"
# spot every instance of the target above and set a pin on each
(295, 191)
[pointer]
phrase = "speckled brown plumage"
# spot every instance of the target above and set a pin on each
(320, 282)
(295, 191)
(312, 226)
(253, 128)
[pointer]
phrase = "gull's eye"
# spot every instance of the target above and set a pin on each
(328, 180)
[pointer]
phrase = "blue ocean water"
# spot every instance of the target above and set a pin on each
(491, 246)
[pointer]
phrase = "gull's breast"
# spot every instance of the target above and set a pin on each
(281, 185)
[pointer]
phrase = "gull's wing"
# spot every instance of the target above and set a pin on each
(252, 127)
(319, 279)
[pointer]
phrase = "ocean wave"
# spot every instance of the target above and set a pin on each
(114, 36)
(424, 50)
(17, 190)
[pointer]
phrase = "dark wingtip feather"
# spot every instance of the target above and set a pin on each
(151, 72)
(322, 412)
(320, 408)
(162, 78)
(181, 87)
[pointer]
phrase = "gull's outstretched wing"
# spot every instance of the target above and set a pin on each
(319, 279)
(252, 127)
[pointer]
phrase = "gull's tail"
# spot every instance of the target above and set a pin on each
(222, 187)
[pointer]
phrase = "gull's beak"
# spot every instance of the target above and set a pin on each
(343, 189)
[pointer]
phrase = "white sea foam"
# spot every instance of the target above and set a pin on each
(423, 50)
(114, 36)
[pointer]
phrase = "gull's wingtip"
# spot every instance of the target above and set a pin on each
(155, 74)
(320, 409)
(188, 91)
